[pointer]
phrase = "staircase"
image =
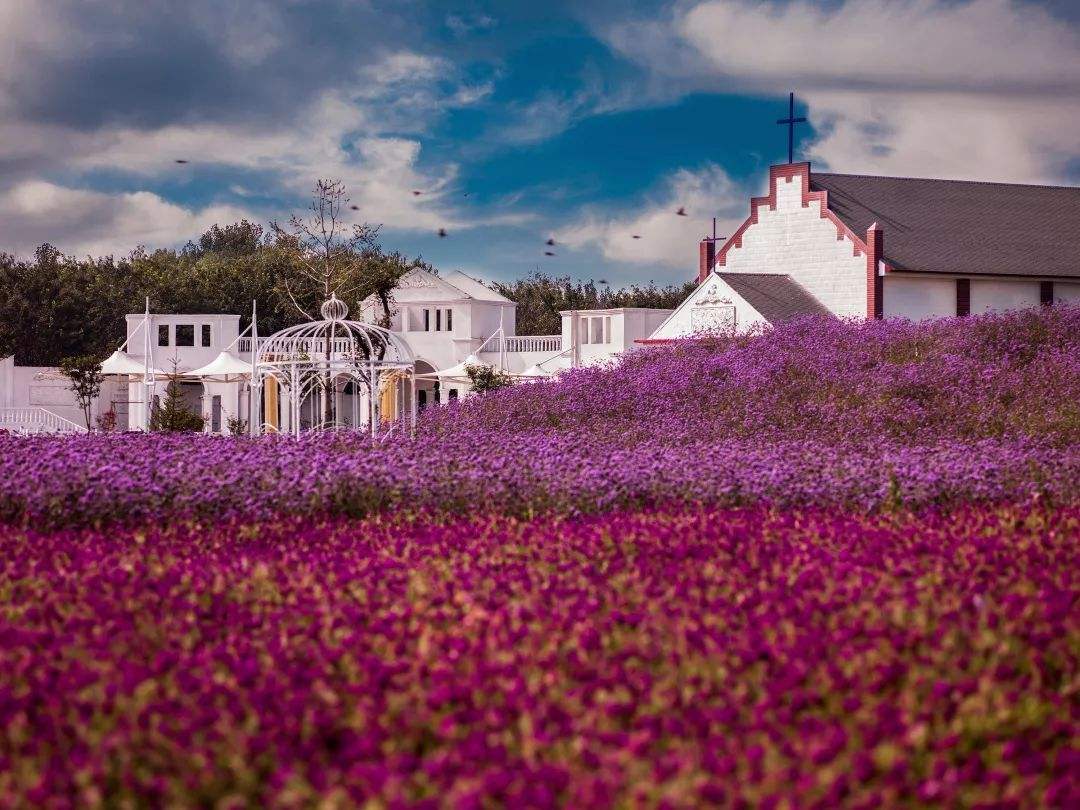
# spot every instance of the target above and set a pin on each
(36, 420)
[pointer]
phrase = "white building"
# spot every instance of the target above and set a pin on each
(448, 322)
(822, 244)
(873, 247)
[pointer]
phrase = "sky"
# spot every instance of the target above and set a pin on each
(587, 123)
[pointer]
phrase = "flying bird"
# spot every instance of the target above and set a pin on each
(355, 207)
(416, 193)
(442, 233)
(550, 242)
(681, 212)
(548, 253)
(636, 236)
(181, 160)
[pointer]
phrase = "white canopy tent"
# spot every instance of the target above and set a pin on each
(226, 367)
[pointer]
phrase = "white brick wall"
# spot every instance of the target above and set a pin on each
(800, 242)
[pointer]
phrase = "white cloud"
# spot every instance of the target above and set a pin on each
(986, 89)
(665, 237)
(339, 134)
(83, 222)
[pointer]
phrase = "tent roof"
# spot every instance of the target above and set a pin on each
(124, 365)
(226, 367)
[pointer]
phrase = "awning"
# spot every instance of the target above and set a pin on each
(226, 367)
(535, 372)
(456, 372)
(122, 364)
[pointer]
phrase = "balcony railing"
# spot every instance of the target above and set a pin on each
(518, 343)
(533, 343)
(310, 346)
(36, 420)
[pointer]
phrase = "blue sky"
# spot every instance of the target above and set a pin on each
(589, 123)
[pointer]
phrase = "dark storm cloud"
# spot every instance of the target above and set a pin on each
(148, 64)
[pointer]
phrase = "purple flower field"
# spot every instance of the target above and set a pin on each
(656, 658)
(865, 415)
(831, 565)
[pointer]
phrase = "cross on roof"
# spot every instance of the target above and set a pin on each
(791, 121)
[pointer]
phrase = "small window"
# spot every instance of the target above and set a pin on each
(438, 320)
(607, 330)
(185, 334)
(452, 395)
(585, 330)
(215, 414)
(206, 334)
(449, 320)
(163, 335)
(427, 320)
(597, 330)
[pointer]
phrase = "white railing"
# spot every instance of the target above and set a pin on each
(36, 420)
(533, 343)
(316, 346)
(311, 346)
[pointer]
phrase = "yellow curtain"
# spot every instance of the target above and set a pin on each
(388, 397)
(270, 400)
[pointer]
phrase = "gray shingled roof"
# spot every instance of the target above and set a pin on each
(967, 228)
(775, 295)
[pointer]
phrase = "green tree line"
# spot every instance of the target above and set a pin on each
(54, 306)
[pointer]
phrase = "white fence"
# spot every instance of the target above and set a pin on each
(533, 343)
(36, 420)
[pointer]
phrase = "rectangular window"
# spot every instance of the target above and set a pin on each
(438, 320)
(452, 395)
(163, 335)
(206, 334)
(185, 334)
(607, 330)
(963, 296)
(449, 320)
(1046, 293)
(584, 330)
(215, 414)
(597, 330)
(427, 320)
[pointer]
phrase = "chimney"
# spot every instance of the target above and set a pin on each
(875, 247)
(706, 258)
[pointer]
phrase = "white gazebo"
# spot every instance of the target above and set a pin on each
(331, 374)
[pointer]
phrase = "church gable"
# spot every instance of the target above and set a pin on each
(792, 232)
(713, 307)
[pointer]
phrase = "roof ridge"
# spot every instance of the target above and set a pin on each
(941, 180)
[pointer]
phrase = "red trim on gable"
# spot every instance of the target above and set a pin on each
(788, 171)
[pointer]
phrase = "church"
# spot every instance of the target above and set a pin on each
(859, 246)
(823, 244)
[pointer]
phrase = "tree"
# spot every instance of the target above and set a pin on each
(173, 415)
(540, 299)
(329, 256)
(486, 378)
(84, 379)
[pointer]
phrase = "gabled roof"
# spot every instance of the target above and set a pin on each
(471, 288)
(962, 227)
(776, 296)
